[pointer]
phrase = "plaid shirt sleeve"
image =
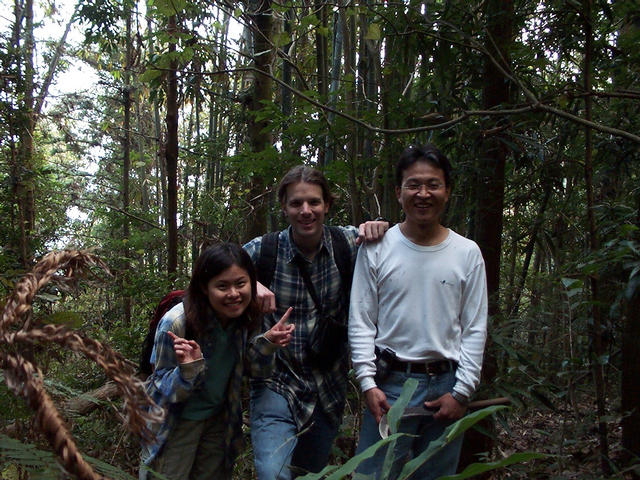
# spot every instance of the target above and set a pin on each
(253, 248)
(171, 382)
(260, 357)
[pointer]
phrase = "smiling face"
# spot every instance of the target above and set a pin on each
(229, 293)
(423, 194)
(305, 209)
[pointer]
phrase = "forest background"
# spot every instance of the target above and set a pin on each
(198, 108)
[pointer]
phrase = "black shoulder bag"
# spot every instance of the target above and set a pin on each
(328, 339)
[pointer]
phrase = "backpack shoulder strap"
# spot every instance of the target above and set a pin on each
(342, 257)
(169, 301)
(266, 264)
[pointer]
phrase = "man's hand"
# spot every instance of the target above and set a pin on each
(281, 332)
(186, 350)
(449, 408)
(371, 231)
(265, 298)
(377, 403)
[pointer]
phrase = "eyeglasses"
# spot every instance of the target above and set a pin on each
(431, 186)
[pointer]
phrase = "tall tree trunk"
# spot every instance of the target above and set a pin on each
(142, 170)
(335, 83)
(368, 64)
(528, 251)
(630, 385)
(322, 62)
(126, 167)
(159, 157)
(489, 199)
(390, 207)
(285, 92)
(171, 156)
(259, 137)
(596, 333)
(24, 172)
(348, 26)
(195, 214)
(53, 65)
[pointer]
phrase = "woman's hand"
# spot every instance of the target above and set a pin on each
(186, 350)
(281, 332)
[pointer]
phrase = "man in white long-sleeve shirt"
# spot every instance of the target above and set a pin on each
(420, 295)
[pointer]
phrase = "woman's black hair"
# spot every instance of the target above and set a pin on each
(212, 262)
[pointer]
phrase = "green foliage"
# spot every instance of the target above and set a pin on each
(451, 432)
(20, 457)
(333, 472)
(478, 468)
(417, 64)
(397, 409)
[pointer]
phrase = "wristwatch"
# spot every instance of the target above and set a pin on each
(462, 399)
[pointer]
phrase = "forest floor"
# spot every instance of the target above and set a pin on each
(568, 435)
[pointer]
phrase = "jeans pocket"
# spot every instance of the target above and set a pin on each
(440, 384)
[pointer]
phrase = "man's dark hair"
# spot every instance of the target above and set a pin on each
(423, 153)
(302, 173)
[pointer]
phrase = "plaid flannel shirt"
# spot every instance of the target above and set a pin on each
(170, 385)
(293, 377)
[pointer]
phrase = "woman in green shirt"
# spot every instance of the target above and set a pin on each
(203, 346)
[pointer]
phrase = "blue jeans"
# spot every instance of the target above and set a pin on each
(444, 462)
(277, 443)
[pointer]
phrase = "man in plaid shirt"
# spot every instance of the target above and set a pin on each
(295, 414)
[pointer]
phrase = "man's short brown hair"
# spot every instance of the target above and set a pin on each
(302, 173)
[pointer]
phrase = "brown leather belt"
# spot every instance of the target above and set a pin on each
(430, 368)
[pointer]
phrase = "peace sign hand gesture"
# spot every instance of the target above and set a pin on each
(186, 350)
(281, 332)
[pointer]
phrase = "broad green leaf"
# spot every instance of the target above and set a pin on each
(396, 410)
(170, 7)
(471, 419)
(573, 292)
(373, 33)
(451, 432)
(309, 20)
(187, 54)
(478, 468)
(72, 319)
(350, 465)
(281, 39)
(571, 282)
(48, 297)
(150, 74)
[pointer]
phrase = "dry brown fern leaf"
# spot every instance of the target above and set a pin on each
(26, 380)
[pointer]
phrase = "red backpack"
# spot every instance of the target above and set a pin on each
(169, 301)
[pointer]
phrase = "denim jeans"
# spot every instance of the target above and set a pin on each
(277, 444)
(444, 462)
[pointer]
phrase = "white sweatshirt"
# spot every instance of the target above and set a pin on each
(424, 303)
